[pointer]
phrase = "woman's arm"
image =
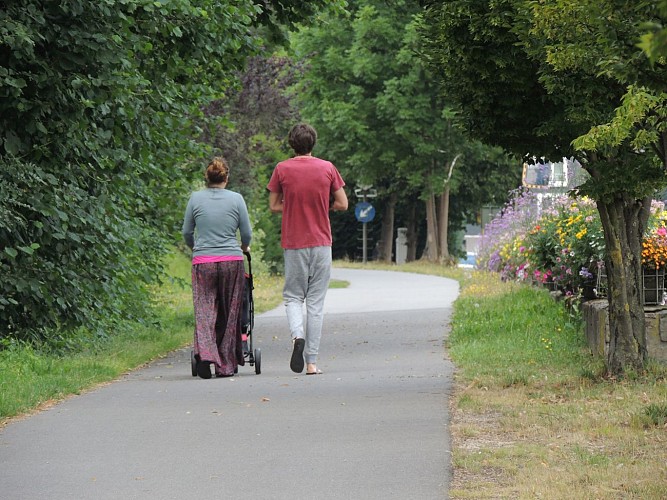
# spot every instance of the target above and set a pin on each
(189, 226)
(244, 226)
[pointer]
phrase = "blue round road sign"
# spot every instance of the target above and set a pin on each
(364, 211)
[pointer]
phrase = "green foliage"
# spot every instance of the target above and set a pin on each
(473, 49)
(654, 41)
(620, 94)
(343, 90)
(96, 123)
(639, 124)
(100, 113)
(62, 252)
(548, 73)
(280, 17)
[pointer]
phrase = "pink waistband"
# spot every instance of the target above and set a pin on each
(206, 259)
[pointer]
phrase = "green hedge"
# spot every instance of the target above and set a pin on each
(99, 111)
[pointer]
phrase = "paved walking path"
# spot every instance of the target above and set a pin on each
(373, 426)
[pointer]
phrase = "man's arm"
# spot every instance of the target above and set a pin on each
(276, 202)
(339, 200)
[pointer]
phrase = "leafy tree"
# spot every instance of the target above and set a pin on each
(91, 121)
(348, 60)
(534, 77)
(381, 118)
(260, 104)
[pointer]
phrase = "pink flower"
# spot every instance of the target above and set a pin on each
(661, 231)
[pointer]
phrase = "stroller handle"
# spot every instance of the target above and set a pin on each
(247, 254)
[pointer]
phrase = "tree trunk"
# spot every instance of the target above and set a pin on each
(443, 217)
(624, 222)
(431, 250)
(443, 230)
(412, 233)
(387, 237)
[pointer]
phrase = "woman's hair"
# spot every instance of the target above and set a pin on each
(302, 138)
(217, 171)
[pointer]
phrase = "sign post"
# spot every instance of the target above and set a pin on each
(365, 213)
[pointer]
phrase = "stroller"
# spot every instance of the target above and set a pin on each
(251, 355)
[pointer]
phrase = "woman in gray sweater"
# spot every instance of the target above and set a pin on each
(213, 218)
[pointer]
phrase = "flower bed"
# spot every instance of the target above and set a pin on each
(562, 246)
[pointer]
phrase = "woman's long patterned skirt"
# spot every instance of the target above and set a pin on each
(217, 292)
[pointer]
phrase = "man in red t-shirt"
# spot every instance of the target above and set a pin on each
(300, 188)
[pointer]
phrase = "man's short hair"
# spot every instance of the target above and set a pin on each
(302, 138)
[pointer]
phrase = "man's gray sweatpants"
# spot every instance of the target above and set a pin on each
(307, 274)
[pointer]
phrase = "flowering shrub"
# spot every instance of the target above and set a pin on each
(567, 243)
(654, 249)
(562, 244)
(501, 247)
(654, 246)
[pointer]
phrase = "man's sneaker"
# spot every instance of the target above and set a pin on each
(296, 363)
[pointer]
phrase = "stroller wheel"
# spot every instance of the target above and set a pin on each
(258, 361)
(193, 363)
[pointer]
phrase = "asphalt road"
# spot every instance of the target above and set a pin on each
(373, 426)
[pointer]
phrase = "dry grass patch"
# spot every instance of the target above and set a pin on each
(514, 443)
(532, 417)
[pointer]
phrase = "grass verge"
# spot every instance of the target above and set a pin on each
(31, 380)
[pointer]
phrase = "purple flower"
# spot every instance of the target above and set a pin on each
(585, 273)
